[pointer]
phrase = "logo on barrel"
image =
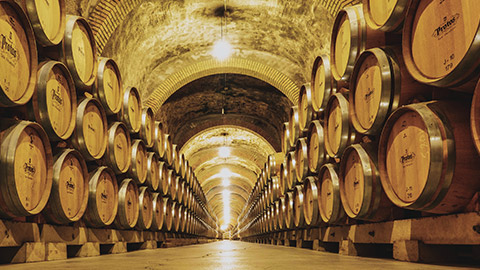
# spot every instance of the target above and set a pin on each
(57, 98)
(446, 27)
(70, 186)
(407, 159)
(29, 169)
(9, 52)
(104, 196)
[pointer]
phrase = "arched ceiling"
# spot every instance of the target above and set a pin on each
(163, 47)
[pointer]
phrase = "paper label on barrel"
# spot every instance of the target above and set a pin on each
(106, 197)
(381, 10)
(342, 47)
(121, 150)
(59, 104)
(30, 169)
(71, 186)
(93, 130)
(48, 12)
(82, 52)
(408, 157)
(368, 90)
(319, 88)
(354, 182)
(112, 89)
(14, 54)
(442, 34)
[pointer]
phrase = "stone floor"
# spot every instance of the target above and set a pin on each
(228, 255)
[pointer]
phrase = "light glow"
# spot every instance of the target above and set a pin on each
(224, 227)
(222, 50)
(226, 182)
(224, 152)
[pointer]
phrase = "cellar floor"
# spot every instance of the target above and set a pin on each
(228, 255)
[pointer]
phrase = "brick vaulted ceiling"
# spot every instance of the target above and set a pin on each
(163, 48)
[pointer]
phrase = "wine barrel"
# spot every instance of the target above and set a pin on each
(338, 133)
(18, 57)
(164, 173)
(158, 212)
(275, 188)
(286, 146)
(102, 198)
(54, 103)
(288, 213)
(153, 171)
(183, 221)
(276, 210)
(387, 16)
(25, 168)
(475, 117)
(147, 131)
(273, 164)
(139, 162)
(69, 195)
(183, 166)
(176, 159)
(360, 186)
(108, 86)
(311, 203)
(298, 202)
(169, 208)
(305, 109)
(294, 125)
(145, 209)
(329, 202)
(131, 113)
(180, 188)
(77, 51)
(128, 205)
(189, 175)
(118, 155)
(380, 84)
(440, 42)
(291, 171)
(174, 186)
(301, 159)
(186, 194)
(323, 84)
(90, 133)
(158, 145)
(177, 219)
(47, 19)
(283, 178)
(281, 213)
(316, 147)
(168, 150)
(427, 159)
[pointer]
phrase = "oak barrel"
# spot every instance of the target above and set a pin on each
(288, 213)
(183, 166)
(168, 150)
(380, 84)
(315, 147)
(298, 202)
(131, 113)
(351, 36)
(294, 125)
(177, 218)
(310, 202)
(147, 131)
(301, 159)
(286, 146)
(281, 213)
(54, 102)
(164, 173)
(145, 209)
(168, 211)
(305, 107)
(102, 198)
(383, 15)
(283, 176)
(77, 51)
(338, 133)
(48, 20)
(108, 86)
(128, 205)
(427, 160)
(440, 42)
(475, 117)
(139, 162)
(18, 56)
(329, 201)
(176, 159)
(25, 168)
(153, 171)
(360, 186)
(174, 186)
(158, 212)
(183, 221)
(69, 195)
(291, 171)
(323, 85)
(273, 164)
(118, 155)
(158, 145)
(90, 133)
(180, 190)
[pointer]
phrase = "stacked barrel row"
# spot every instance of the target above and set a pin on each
(75, 143)
(386, 129)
